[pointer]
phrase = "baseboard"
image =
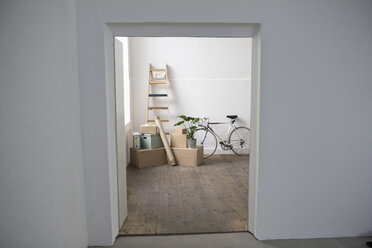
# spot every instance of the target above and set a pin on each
(219, 151)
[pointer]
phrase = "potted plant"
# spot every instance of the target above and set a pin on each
(190, 124)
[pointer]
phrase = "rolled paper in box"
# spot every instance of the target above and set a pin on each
(136, 140)
(171, 159)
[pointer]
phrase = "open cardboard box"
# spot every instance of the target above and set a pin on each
(148, 157)
(187, 156)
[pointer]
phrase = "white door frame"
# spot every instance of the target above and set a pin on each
(121, 132)
(245, 30)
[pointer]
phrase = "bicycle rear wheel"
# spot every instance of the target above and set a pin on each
(239, 141)
(208, 140)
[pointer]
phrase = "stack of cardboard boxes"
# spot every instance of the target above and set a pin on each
(184, 155)
(150, 151)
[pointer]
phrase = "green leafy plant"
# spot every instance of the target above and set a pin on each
(190, 123)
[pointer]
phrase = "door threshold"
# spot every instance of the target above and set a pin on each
(175, 234)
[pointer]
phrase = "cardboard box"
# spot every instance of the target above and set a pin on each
(148, 129)
(187, 156)
(151, 141)
(148, 157)
(178, 140)
(180, 130)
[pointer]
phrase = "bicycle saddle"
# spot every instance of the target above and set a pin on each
(232, 116)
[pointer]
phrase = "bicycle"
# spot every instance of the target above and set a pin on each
(237, 138)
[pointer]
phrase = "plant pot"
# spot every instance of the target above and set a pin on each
(191, 143)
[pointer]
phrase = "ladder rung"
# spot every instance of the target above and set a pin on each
(158, 82)
(153, 69)
(157, 95)
(160, 120)
(158, 108)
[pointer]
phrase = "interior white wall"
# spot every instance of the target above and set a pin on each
(41, 171)
(208, 77)
(315, 137)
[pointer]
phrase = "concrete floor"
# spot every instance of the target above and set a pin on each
(233, 240)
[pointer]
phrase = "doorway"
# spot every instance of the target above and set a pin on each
(208, 77)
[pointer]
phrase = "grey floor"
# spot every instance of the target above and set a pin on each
(211, 198)
(232, 240)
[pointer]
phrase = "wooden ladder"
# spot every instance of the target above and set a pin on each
(158, 82)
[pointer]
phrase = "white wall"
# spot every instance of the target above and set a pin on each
(41, 163)
(315, 135)
(208, 77)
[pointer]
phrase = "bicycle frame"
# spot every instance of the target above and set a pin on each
(232, 127)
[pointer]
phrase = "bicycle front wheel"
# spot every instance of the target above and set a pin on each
(208, 140)
(239, 141)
